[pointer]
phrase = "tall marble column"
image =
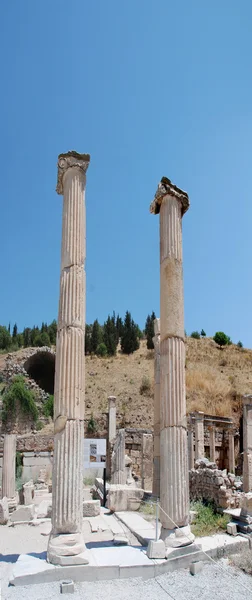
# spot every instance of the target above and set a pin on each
(199, 435)
(212, 443)
(247, 443)
(172, 203)
(66, 545)
(9, 466)
(156, 451)
(112, 418)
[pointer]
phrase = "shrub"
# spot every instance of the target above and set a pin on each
(101, 349)
(145, 386)
(207, 521)
(19, 464)
(221, 339)
(39, 425)
(195, 335)
(48, 407)
(92, 425)
(203, 333)
(240, 344)
(17, 391)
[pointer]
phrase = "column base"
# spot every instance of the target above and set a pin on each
(67, 549)
(177, 537)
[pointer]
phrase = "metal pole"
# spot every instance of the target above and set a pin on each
(156, 519)
(104, 486)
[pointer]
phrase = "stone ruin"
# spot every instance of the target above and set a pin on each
(210, 484)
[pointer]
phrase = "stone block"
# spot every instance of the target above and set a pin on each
(67, 587)
(156, 549)
(196, 567)
(123, 497)
(4, 511)
(28, 492)
(232, 528)
(23, 513)
(91, 508)
(44, 509)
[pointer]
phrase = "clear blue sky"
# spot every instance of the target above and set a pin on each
(148, 88)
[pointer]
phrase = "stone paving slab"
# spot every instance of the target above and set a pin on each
(143, 530)
(115, 563)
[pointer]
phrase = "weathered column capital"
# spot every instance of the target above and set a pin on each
(167, 188)
(70, 160)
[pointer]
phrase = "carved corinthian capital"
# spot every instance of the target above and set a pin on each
(67, 161)
(167, 188)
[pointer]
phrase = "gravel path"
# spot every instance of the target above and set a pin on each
(210, 584)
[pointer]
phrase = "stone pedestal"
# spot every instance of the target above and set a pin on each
(199, 435)
(112, 418)
(66, 545)
(118, 473)
(172, 203)
(247, 443)
(212, 443)
(9, 466)
(231, 452)
(156, 449)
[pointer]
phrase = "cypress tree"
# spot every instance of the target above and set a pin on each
(96, 336)
(149, 330)
(129, 340)
(14, 331)
(110, 335)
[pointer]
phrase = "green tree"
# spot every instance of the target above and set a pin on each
(110, 335)
(195, 335)
(119, 326)
(42, 339)
(35, 331)
(52, 332)
(96, 336)
(221, 339)
(240, 344)
(20, 340)
(102, 349)
(129, 340)
(203, 333)
(149, 330)
(27, 337)
(88, 333)
(14, 332)
(5, 338)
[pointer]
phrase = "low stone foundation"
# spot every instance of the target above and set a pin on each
(208, 483)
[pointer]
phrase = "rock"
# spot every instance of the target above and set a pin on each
(4, 511)
(196, 567)
(156, 549)
(28, 492)
(232, 528)
(44, 509)
(23, 513)
(91, 508)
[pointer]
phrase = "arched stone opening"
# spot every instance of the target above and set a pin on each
(41, 367)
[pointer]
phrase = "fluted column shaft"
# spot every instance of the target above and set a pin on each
(69, 389)
(173, 435)
(247, 443)
(190, 441)
(9, 466)
(156, 451)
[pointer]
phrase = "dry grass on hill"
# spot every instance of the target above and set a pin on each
(215, 381)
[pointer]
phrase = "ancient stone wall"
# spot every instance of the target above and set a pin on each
(208, 483)
(134, 448)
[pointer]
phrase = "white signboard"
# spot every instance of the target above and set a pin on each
(94, 453)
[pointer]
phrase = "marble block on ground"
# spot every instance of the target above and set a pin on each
(91, 508)
(123, 497)
(4, 511)
(23, 513)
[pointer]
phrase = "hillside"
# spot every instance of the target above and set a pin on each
(215, 381)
